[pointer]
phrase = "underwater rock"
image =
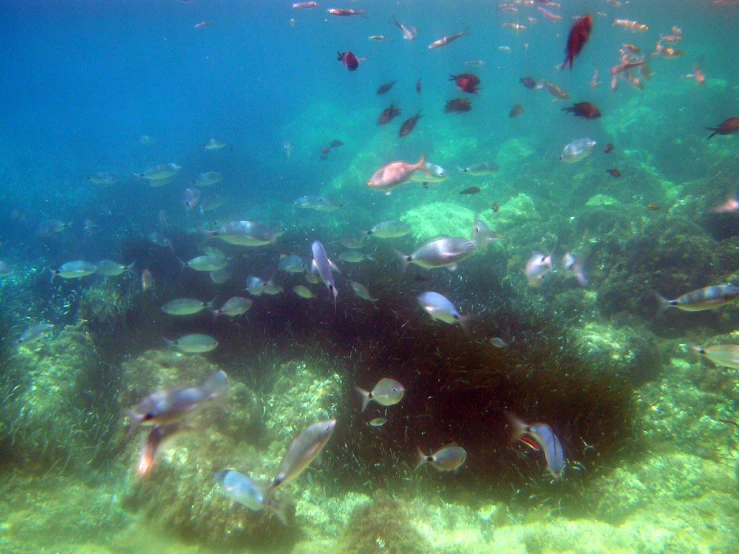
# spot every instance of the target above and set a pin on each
(439, 219)
(382, 526)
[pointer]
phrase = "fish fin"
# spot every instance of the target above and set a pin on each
(464, 323)
(403, 258)
(421, 458)
(215, 313)
(53, 274)
(421, 165)
(517, 426)
(182, 265)
(365, 397)
(715, 132)
(664, 303)
(334, 267)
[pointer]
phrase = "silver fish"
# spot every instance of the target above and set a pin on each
(207, 179)
(303, 292)
(437, 175)
(167, 406)
(353, 242)
(185, 306)
(482, 235)
(378, 422)
(577, 150)
(439, 307)
(480, 169)
(245, 233)
(302, 451)
(74, 270)
(497, 342)
(206, 263)
(5, 269)
(362, 292)
(34, 333)
(724, 355)
(544, 438)
(449, 458)
(446, 252)
(389, 229)
(324, 268)
(255, 286)
(194, 344)
(355, 256)
(707, 298)
(255, 495)
(291, 264)
(233, 307)
(387, 392)
(110, 268)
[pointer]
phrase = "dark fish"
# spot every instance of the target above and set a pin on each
(608, 149)
(728, 127)
(579, 35)
(336, 144)
(341, 12)
(325, 149)
(386, 87)
(349, 60)
(420, 278)
(418, 86)
(528, 82)
(471, 190)
(466, 82)
(583, 109)
(409, 124)
(654, 207)
(388, 114)
(495, 208)
(458, 105)
(516, 111)
(614, 172)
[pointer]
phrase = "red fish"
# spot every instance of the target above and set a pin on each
(728, 127)
(614, 172)
(388, 114)
(608, 149)
(466, 82)
(458, 105)
(394, 174)
(408, 125)
(349, 60)
(579, 35)
(583, 109)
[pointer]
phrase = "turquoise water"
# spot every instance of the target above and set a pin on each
(647, 427)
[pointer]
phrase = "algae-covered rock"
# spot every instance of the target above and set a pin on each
(439, 219)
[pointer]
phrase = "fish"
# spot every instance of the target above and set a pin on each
(255, 495)
(155, 237)
(633, 26)
(159, 175)
(446, 40)
(574, 267)
(514, 26)
(497, 342)
(441, 308)
(482, 235)
(147, 280)
(418, 86)
(608, 148)
(474, 63)
(389, 229)
(207, 179)
(353, 242)
(303, 292)
(724, 355)
(654, 207)
(466, 82)
(481, 169)
(211, 202)
(74, 270)
(302, 451)
(549, 15)
(666, 52)
(388, 114)
(471, 190)
(730, 205)
(291, 264)
(185, 306)
(110, 268)
(438, 175)
(203, 24)
(190, 197)
(245, 233)
(341, 12)
(516, 111)
(271, 288)
(378, 422)
(167, 406)
(445, 252)
(387, 392)
(335, 144)
(349, 60)
(219, 276)
(146, 140)
(614, 172)
(724, 2)
(324, 267)
(255, 286)
(362, 292)
(156, 441)
(378, 38)
(409, 32)
(538, 265)
(707, 298)
(395, 174)
(312, 278)
(355, 256)
(195, 343)
(305, 5)
(449, 458)
(577, 150)
(34, 333)
(102, 178)
(213, 144)
(528, 82)
(409, 124)
(233, 307)
(544, 438)
(385, 88)
(631, 48)
(554, 90)
(457, 105)
(206, 263)
(728, 127)
(50, 226)
(495, 207)
(583, 109)
(318, 203)
(506, 49)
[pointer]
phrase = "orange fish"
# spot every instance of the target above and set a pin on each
(395, 174)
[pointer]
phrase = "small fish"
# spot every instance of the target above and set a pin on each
(302, 451)
(528, 82)
(185, 306)
(389, 229)
(324, 267)
(418, 86)
(49, 227)
(388, 114)
(446, 252)
(506, 49)
(731, 205)
(233, 307)
(728, 127)
(387, 392)
(378, 38)
(146, 140)
(409, 124)
(583, 109)
(633, 26)
(155, 237)
(445, 40)
(480, 169)
(608, 148)
(147, 280)
(34, 333)
(538, 265)
(497, 342)
(409, 32)
(335, 144)
(449, 458)
(516, 111)
(220, 276)
(474, 63)
(544, 438)
(74, 270)
(574, 267)
(110, 268)
(5, 269)
(156, 441)
(354, 242)
(707, 298)
(554, 90)
(471, 190)
(303, 292)
(577, 150)
(482, 235)
(362, 292)
(207, 179)
(355, 256)
(495, 207)
(385, 88)
(341, 12)
(614, 172)
(195, 343)
(163, 407)
(214, 144)
(438, 175)
(349, 60)
(291, 264)
(378, 422)
(654, 207)
(513, 26)
(102, 178)
(245, 233)
(305, 5)
(203, 24)
(439, 307)
(272, 289)
(255, 495)
(458, 105)
(159, 175)
(255, 286)
(206, 263)
(466, 82)
(724, 355)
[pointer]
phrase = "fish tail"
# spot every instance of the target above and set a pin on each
(517, 426)
(715, 132)
(365, 397)
(422, 164)
(216, 385)
(182, 265)
(403, 258)
(664, 303)
(421, 458)
(464, 323)
(215, 313)
(280, 509)
(53, 274)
